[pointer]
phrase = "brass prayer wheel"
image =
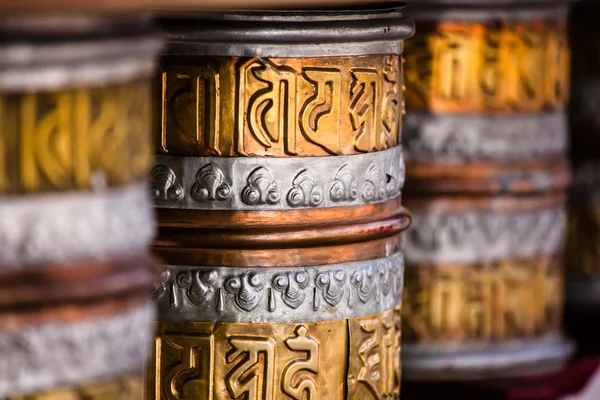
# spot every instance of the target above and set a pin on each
(75, 216)
(277, 188)
(582, 256)
(485, 143)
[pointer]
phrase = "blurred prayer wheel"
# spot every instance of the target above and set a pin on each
(75, 215)
(277, 186)
(583, 243)
(485, 147)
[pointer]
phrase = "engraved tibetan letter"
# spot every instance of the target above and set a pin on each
(293, 383)
(320, 115)
(252, 374)
(191, 97)
(365, 93)
(267, 97)
(190, 375)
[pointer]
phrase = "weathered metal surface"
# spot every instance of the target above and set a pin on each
(252, 183)
(75, 216)
(485, 144)
(294, 294)
(277, 187)
(331, 359)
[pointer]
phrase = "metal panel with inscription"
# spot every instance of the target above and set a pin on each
(76, 219)
(485, 143)
(277, 186)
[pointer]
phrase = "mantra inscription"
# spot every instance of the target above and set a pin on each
(495, 67)
(299, 361)
(76, 139)
(507, 299)
(278, 107)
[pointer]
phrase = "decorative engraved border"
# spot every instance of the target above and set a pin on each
(46, 356)
(471, 237)
(468, 138)
(58, 228)
(300, 294)
(242, 183)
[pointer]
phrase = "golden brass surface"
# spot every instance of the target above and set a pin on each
(128, 388)
(466, 67)
(307, 360)
(277, 107)
(488, 301)
(74, 139)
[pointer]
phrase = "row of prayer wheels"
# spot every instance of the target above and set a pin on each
(272, 146)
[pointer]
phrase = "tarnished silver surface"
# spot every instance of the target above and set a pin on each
(295, 33)
(56, 228)
(56, 354)
(295, 294)
(470, 138)
(499, 360)
(471, 237)
(53, 65)
(249, 183)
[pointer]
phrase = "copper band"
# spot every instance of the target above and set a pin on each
(283, 257)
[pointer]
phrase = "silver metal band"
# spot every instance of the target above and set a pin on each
(472, 237)
(52, 66)
(55, 228)
(299, 294)
(45, 356)
(285, 50)
(470, 138)
(248, 183)
(287, 33)
(500, 359)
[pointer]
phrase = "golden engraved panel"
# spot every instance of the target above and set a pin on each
(502, 67)
(489, 301)
(54, 141)
(129, 388)
(374, 371)
(299, 361)
(278, 107)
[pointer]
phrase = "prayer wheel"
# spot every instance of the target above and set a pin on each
(485, 143)
(75, 215)
(583, 241)
(277, 189)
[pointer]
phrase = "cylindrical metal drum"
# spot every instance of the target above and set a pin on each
(75, 215)
(485, 147)
(583, 242)
(277, 185)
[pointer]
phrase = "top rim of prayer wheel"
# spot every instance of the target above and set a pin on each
(129, 6)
